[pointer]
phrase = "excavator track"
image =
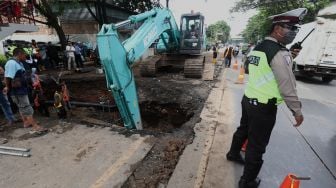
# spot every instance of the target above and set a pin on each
(193, 68)
(148, 67)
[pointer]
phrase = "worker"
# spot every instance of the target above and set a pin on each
(193, 33)
(16, 84)
(38, 94)
(215, 51)
(59, 103)
(228, 54)
(10, 50)
(4, 103)
(271, 82)
(66, 96)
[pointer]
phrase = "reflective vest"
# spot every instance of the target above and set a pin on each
(262, 84)
(10, 50)
(58, 100)
(29, 51)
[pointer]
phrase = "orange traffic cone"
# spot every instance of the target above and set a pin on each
(241, 76)
(292, 181)
(244, 146)
(235, 65)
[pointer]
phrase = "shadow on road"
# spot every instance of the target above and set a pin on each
(313, 80)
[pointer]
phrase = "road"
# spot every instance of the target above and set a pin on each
(307, 151)
(293, 150)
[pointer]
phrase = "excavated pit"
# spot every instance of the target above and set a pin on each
(163, 117)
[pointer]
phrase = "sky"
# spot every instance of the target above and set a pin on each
(213, 11)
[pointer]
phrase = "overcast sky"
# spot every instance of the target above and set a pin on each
(213, 10)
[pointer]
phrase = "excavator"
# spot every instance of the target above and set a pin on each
(174, 46)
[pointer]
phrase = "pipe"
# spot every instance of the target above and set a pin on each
(122, 24)
(142, 16)
(86, 104)
(20, 154)
(14, 149)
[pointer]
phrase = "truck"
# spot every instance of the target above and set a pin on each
(184, 46)
(318, 54)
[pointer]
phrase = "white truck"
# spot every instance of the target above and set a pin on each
(318, 54)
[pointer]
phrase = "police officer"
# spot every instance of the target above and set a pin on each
(271, 82)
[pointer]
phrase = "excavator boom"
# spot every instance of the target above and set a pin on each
(117, 57)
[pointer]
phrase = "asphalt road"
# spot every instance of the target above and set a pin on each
(308, 151)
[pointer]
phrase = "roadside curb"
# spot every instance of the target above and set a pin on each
(191, 168)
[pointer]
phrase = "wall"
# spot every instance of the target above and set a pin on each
(80, 27)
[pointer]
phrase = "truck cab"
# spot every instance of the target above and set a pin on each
(318, 55)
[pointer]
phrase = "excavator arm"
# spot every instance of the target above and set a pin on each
(117, 57)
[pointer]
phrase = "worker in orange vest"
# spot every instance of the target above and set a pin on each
(38, 96)
(66, 96)
(59, 103)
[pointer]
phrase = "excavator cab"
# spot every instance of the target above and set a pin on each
(192, 34)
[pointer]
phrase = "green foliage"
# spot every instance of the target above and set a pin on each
(3, 59)
(259, 25)
(218, 31)
(134, 5)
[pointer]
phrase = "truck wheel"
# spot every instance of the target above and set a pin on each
(327, 79)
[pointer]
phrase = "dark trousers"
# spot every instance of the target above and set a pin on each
(43, 109)
(227, 61)
(256, 125)
(6, 108)
(61, 113)
(54, 61)
(79, 60)
(214, 55)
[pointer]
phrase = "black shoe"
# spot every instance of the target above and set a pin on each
(243, 183)
(235, 158)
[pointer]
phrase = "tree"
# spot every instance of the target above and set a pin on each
(52, 9)
(44, 7)
(258, 26)
(133, 6)
(218, 31)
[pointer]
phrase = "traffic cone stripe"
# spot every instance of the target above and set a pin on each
(241, 76)
(235, 65)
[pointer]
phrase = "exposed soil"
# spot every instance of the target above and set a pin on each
(171, 114)
(170, 107)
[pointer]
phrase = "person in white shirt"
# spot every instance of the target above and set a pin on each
(70, 51)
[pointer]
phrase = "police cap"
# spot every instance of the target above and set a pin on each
(291, 17)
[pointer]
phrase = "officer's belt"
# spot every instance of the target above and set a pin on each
(255, 102)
